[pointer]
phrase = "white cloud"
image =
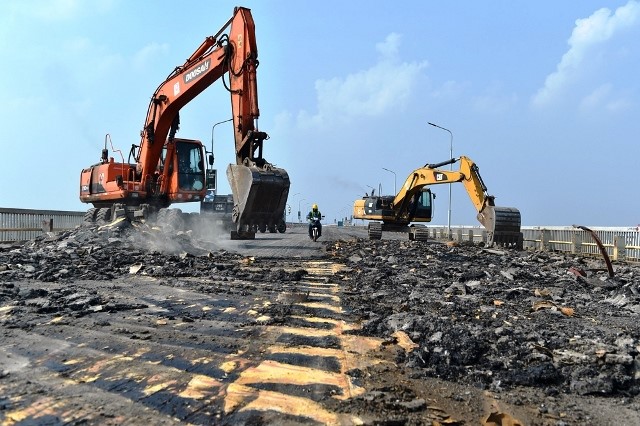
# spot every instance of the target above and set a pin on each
(596, 98)
(603, 98)
(144, 56)
(371, 92)
(589, 32)
(306, 120)
(78, 45)
(41, 18)
(389, 47)
(450, 90)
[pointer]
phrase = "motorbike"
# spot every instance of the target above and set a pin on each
(315, 229)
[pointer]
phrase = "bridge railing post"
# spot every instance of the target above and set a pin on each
(619, 248)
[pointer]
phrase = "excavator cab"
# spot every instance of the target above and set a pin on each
(421, 207)
(186, 170)
(190, 166)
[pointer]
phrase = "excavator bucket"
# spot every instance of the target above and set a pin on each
(259, 197)
(502, 225)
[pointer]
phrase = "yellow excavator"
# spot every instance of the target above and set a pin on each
(414, 203)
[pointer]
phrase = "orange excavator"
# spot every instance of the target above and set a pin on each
(163, 170)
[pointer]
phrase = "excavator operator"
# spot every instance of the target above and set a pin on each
(314, 217)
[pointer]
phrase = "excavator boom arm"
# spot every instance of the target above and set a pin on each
(236, 54)
(244, 89)
(430, 174)
(259, 189)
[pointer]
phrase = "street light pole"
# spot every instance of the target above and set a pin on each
(394, 179)
(294, 200)
(300, 215)
(451, 168)
(214, 126)
(211, 173)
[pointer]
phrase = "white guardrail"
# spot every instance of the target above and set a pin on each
(621, 243)
(25, 224)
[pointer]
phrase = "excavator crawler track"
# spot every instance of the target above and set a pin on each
(419, 233)
(374, 230)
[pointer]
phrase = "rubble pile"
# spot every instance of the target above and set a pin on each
(54, 274)
(498, 319)
(102, 254)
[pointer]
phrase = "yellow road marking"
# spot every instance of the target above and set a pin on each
(276, 372)
(268, 400)
(301, 331)
(319, 305)
(43, 407)
(201, 386)
(343, 325)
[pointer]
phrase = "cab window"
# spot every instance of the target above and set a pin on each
(190, 166)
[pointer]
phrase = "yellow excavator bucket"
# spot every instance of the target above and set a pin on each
(502, 225)
(259, 196)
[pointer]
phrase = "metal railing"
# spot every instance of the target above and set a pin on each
(26, 224)
(620, 243)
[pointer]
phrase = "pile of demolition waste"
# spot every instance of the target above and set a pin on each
(497, 319)
(103, 253)
(47, 274)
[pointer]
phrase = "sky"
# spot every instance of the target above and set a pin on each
(543, 96)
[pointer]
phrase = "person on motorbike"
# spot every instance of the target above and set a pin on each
(314, 215)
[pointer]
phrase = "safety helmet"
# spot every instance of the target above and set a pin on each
(314, 207)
